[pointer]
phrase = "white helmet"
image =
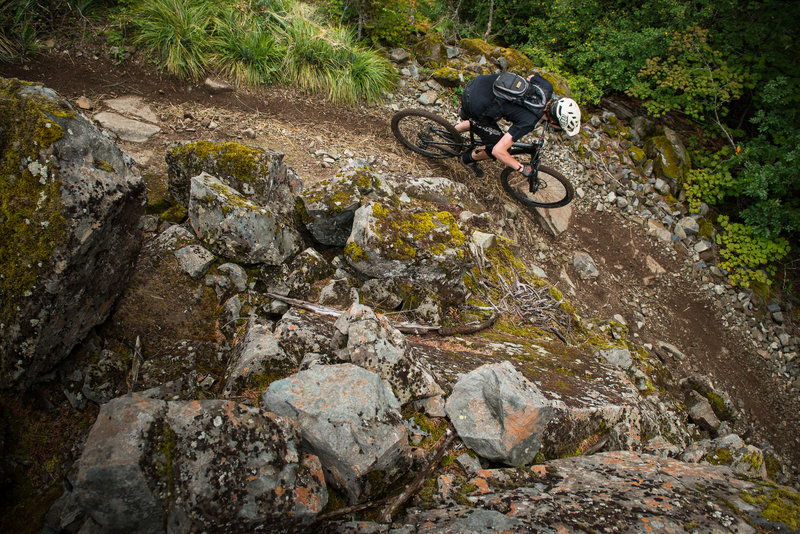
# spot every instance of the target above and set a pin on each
(568, 114)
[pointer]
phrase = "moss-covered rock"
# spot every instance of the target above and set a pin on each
(258, 174)
(450, 77)
(513, 60)
(328, 208)
(430, 50)
(71, 204)
(671, 160)
(418, 244)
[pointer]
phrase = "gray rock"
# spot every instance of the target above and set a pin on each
(399, 55)
(471, 464)
(350, 419)
(499, 414)
(132, 105)
(370, 342)
(689, 226)
(194, 260)
(428, 98)
(554, 220)
(257, 174)
(187, 465)
(126, 129)
(236, 228)
(702, 414)
(70, 253)
(257, 359)
(609, 492)
(658, 230)
(441, 191)
(306, 336)
(216, 87)
(328, 209)
(617, 357)
(236, 275)
(584, 265)
(306, 269)
(338, 292)
(388, 242)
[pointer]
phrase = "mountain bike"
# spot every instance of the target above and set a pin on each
(430, 135)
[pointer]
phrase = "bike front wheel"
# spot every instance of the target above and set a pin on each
(427, 133)
(553, 190)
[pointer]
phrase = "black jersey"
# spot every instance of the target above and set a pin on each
(480, 104)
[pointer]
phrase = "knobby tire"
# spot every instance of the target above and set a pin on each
(427, 134)
(556, 191)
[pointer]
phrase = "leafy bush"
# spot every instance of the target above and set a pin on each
(691, 77)
(746, 256)
(177, 33)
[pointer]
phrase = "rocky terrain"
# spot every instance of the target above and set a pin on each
(577, 369)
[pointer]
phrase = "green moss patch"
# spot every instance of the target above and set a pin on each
(30, 201)
(779, 505)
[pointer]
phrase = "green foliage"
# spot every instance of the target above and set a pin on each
(712, 180)
(177, 33)
(746, 256)
(583, 89)
(692, 77)
(770, 161)
(329, 61)
(242, 50)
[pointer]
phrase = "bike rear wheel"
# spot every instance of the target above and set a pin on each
(554, 189)
(427, 133)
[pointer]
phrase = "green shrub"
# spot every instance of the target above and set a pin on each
(242, 50)
(748, 257)
(176, 33)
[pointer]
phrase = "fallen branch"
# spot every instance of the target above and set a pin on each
(406, 328)
(387, 513)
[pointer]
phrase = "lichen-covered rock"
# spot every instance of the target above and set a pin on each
(257, 360)
(327, 210)
(306, 269)
(388, 242)
(351, 420)
(157, 466)
(69, 229)
(370, 342)
(306, 336)
(439, 191)
(615, 491)
(728, 450)
(338, 292)
(257, 174)
(234, 227)
(499, 414)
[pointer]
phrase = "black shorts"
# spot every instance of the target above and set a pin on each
(487, 131)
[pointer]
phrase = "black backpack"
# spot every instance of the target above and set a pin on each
(514, 88)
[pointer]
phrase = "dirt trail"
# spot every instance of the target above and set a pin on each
(675, 310)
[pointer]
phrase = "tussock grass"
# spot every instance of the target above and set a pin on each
(177, 33)
(268, 41)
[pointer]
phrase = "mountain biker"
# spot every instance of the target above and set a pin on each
(479, 104)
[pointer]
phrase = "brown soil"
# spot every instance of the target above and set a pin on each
(677, 311)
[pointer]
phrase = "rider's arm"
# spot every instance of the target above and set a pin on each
(500, 151)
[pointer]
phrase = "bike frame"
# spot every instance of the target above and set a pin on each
(534, 149)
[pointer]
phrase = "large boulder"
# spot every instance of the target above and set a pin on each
(505, 58)
(351, 420)
(327, 210)
(500, 414)
(157, 466)
(438, 191)
(258, 174)
(612, 492)
(69, 229)
(370, 342)
(423, 246)
(238, 229)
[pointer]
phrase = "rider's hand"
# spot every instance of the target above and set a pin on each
(526, 171)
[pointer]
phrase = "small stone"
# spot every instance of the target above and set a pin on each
(216, 87)
(84, 103)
